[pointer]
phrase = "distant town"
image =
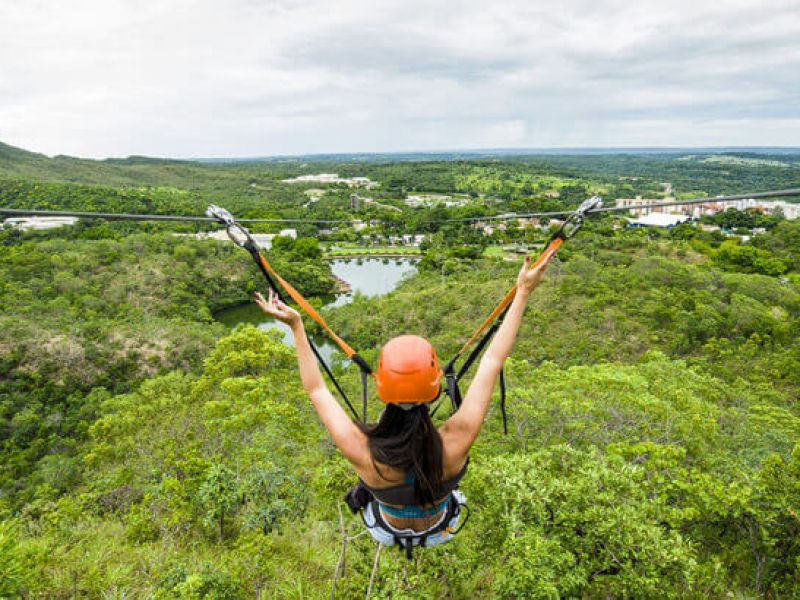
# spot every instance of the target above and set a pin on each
(658, 216)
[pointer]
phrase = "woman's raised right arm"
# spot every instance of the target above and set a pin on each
(461, 430)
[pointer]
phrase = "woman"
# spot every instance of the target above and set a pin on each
(409, 469)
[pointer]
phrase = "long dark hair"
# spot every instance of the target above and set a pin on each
(408, 440)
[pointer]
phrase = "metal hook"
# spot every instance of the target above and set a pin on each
(575, 221)
(238, 234)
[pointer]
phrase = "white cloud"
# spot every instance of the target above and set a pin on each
(246, 77)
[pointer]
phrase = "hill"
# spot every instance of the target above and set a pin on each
(10, 153)
(628, 471)
(146, 451)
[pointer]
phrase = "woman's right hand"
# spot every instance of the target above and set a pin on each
(276, 308)
(529, 278)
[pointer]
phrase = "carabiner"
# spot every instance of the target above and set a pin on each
(575, 221)
(238, 234)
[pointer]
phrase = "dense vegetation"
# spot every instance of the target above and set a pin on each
(83, 315)
(654, 435)
(496, 185)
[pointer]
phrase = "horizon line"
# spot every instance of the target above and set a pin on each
(499, 151)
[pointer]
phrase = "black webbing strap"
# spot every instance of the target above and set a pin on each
(254, 253)
(476, 351)
(503, 400)
(568, 228)
(451, 384)
(333, 379)
(364, 379)
(452, 378)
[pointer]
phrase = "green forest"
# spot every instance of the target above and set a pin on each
(149, 451)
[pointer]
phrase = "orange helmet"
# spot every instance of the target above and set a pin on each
(408, 371)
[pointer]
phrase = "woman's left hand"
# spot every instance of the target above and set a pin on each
(529, 277)
(276, 308)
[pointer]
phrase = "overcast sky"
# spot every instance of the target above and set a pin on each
(188, 78)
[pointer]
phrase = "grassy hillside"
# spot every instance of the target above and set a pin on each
(627, 472)
(147, 452)
(96, 311)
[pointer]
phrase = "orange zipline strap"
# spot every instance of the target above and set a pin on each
(568, 228)
(551, 248)
(492, 323)
(242, 238)
(306, 306)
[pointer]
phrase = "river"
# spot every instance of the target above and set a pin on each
(368, 276)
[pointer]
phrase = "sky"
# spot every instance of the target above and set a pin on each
(182, 78)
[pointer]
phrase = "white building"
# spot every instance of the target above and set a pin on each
(790, 210)
(711, 207)
(38, 223)
(432, 200)
(333, 178)
(658, 220)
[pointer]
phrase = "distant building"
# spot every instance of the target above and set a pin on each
(426, 199)
(413, 240)
(421, 199)
(790, 210)
(292, 233)
(264, 239)
(710, 207)
(38, 223)
(490, 228)
(633, 203)
(658, 220)
(333, 178)
(695, 210)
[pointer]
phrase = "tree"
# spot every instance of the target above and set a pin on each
(748, 259)
(307, 248)
(218, 493)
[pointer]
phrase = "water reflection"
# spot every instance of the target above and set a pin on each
(370, 277)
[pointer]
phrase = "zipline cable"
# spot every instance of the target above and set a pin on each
(709, 199)
(504, 216)
(137, 217)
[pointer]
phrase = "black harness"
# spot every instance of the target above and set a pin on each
(359, 497)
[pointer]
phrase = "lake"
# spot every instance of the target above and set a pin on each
(368, 276)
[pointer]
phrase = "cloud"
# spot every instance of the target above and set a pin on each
(251, 77)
